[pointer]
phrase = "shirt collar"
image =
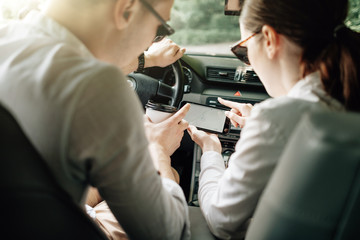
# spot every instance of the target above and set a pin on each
(55, 30)
(311, 89)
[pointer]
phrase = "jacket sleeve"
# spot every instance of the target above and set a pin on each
(107, 141)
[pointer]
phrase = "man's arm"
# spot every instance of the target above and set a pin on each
(160, 54)
(108, 142)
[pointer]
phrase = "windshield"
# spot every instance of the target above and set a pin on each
(201, 25)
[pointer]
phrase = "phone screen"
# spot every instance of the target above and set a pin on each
(207, 118)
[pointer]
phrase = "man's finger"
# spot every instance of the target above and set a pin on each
(147, 119)
(184, 124)
(179, 115)
(180, 52)
(192, 128)
(174, 50)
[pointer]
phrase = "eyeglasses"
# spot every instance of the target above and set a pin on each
(241, 51)
(164, 29)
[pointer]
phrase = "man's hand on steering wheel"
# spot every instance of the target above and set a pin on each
(163, 53)
(159, 54)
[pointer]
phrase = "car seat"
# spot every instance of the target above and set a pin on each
(314, 190)
(32, 205)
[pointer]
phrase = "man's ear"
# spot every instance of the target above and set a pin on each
(124, 11)
(272, 41)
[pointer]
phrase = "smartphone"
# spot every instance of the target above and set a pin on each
(207, 118)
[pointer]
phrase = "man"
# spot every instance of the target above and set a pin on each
(162, 53)
(59, 79)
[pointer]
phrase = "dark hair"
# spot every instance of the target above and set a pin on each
(318, 27)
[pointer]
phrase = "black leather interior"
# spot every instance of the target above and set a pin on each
(314, 191)
(33, 206)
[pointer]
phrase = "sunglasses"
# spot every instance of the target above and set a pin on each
(164, 29)
(241, 51)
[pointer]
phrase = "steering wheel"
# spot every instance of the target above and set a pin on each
(147, 87)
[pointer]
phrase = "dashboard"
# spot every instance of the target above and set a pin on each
(206, 78)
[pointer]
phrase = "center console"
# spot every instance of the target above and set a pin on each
(228, 143)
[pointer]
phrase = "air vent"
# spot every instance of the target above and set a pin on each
(247, 76)
(251, 77)
(220, 74)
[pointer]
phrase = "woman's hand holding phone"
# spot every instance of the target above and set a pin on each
(239, 112)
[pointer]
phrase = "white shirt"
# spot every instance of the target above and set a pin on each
(87, 123)
(228, 197)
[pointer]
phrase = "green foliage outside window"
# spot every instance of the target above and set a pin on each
(353, 19)
(196, 22)
(202, 21)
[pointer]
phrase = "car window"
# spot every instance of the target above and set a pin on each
(353, 19)
(201, 25)
(204, 29)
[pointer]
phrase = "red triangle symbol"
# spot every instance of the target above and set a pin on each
(238, 94)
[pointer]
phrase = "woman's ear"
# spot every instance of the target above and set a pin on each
(272, 41)
(123, 12)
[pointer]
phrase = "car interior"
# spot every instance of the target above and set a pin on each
(205, 79)
(318, 211)
(314, 192)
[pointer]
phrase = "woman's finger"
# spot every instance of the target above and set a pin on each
(235, 124)
(236, 111)
(235, 118)
(228, 103)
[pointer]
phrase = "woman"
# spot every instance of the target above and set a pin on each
(307, 59)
